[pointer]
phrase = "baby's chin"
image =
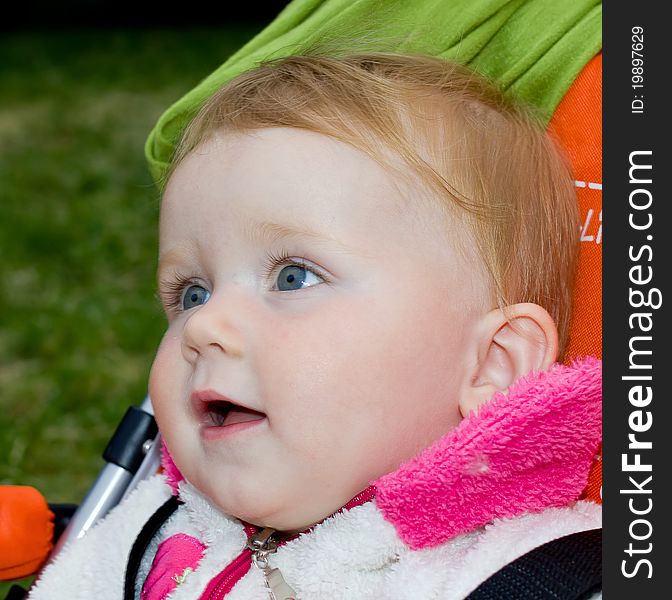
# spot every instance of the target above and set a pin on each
(292, 515)
(288, 521)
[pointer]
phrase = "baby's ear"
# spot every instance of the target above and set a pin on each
(508, 345)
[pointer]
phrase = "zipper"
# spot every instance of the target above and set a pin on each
(260, 545)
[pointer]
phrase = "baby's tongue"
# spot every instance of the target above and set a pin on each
(238, 414)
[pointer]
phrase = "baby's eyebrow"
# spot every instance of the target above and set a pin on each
(171, 259)
(270, 232)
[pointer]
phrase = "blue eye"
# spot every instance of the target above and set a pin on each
(296, 277)
(194, 295)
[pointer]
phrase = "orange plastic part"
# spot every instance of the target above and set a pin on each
(577, 124)
(26, 531)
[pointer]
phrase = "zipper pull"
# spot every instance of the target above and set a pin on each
(263, 541)
(262, 544)
(278, 588)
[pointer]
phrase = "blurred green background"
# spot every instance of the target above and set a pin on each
(79, 319)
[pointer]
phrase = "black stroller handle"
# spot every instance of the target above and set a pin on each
(132, 455)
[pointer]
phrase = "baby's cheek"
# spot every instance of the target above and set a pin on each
(162, 377)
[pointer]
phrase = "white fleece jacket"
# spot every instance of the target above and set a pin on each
(354, 555)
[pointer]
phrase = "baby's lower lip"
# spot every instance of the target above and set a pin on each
(218, 432)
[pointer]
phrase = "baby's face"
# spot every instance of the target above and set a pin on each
(328, 306)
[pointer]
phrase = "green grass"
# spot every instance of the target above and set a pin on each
(79, 321)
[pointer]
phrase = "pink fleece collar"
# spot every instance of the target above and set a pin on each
(522, 452)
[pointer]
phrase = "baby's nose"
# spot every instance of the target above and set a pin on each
(212, 327)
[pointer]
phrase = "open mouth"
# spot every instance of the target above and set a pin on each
(221, 413)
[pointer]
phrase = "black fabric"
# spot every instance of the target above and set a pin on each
(16, 592)
(62, 516)
(569, 568)
(141, 543)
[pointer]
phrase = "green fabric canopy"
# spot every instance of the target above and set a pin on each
(533, 48)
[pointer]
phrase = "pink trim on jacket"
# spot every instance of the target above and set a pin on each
(175, 558)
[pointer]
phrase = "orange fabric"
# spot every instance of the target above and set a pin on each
(593, 489)
(577, 124)
(26, 531)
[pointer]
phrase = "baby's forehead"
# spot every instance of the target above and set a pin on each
(306, 162)
(306, 180)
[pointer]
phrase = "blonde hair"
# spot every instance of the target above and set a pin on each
(481, 153)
